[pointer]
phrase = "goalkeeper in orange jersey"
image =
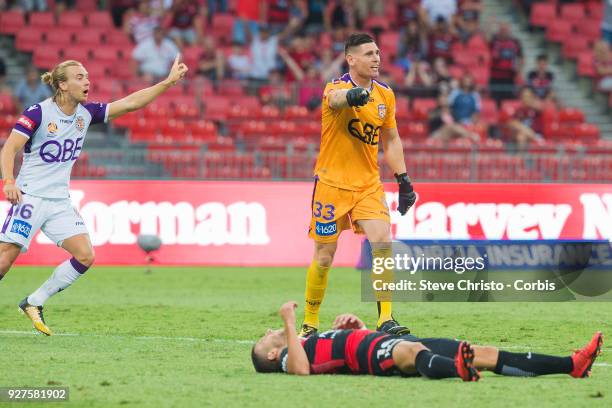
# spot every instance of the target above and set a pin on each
(358, 111)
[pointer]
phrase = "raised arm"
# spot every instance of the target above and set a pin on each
(342, 98)
(348, 321)
(13, 144)
(140, 99)
(297, 360)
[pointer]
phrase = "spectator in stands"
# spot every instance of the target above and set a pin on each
(264, 52)
(407, 11)
(441, 76)
(30, 90)
(465, 103)
(217, 6)
(211, 63)
(329, 67)
(506, 63)
(431, 10)
(139, 24)
(282, 15)
(118, 8)
(442, 125)
(412, 45)
(526, 123)
(276, 91)
(603, 65)
(468, 21)
(2, 75)
(249, 14)
(239, 62)
(33, 5)
(298, 59)
(155, 56)
(541, 79)
(419, 76)
(606, 22)
(369, 8)
(184, 23)
(315, 21)
(341, 13)
(440, 40)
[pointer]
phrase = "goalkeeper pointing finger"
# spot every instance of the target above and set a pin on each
(358, 112)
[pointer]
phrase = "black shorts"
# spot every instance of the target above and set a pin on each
(375, 352)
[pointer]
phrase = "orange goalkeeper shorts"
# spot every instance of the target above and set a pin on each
(335, 209)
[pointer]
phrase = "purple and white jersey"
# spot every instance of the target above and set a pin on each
(55, 142)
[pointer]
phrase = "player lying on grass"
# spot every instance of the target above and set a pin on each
(352, 349)
(52, 134)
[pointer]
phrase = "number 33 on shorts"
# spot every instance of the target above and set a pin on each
(56, 217)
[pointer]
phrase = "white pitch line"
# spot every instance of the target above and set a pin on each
(119, 336)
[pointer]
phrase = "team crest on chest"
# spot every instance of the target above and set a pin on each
(382, 110)
(80, 123)
(52, 128)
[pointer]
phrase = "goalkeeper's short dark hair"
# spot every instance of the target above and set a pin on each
(262, 364)
(356, 39)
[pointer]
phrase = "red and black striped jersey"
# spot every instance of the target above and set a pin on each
(338, 351)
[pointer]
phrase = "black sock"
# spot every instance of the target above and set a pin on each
(432, 365)
(531, 364)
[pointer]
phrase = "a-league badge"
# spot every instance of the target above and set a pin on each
(382, 110)
(52, 128)
(80, 123)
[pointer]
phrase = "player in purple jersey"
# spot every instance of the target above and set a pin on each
(51, 133)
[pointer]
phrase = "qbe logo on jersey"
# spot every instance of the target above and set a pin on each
(22, 228)
(326, 229)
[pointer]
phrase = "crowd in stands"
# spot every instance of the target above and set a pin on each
(468, 70)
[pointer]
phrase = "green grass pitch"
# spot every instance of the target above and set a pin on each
(181, 337)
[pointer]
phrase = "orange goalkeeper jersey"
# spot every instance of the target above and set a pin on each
(348, 157)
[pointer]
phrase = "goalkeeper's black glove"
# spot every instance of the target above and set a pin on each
(357, 96)
(407, 196)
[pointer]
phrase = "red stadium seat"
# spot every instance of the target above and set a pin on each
(100, 19)
(402, 108)
(559, 30)
(91, 38)
(231, 87)
(591, 31)
(595, 10)
(59, 37)
(570, 116)
(42, 21)
(71, 19)
(575, 45)
(422, 107)
(222, 26)
(97, 71)
(106, 55)
(11, 22)
(122, 71)
(28, 40)
(585, 64)
(86, 5)
(7, 104)
(78, 53)
(117, 38)
(217, 108)
(542, 14)
(389, 41)
(574, 13)
(46, 56)
(488, 112)
(376, 23)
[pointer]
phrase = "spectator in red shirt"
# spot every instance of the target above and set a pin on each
(440, 40)
(526, 123)
(407, 12)
(284, 15)
(184, 24)
(506, 63)
(249, 15)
